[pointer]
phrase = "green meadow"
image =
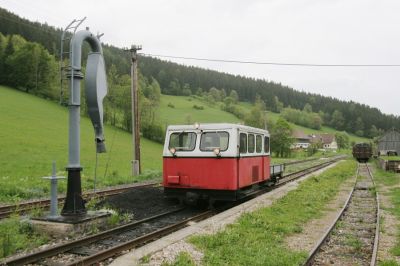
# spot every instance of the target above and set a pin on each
(183, 111)
(34, 132)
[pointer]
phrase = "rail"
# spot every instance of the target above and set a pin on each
(58, 249)
(7, 210)
(317, 248)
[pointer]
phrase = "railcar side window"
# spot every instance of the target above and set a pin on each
(258, 143)
(251, 143)
(211, 140)
(182, 141)
(243, 143)
(266, 144)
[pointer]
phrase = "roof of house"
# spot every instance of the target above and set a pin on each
(325, 138)
(392, 135)
(298, 134)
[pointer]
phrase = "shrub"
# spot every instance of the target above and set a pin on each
(198, 107)
(153, 132)
(170, 105)
(235, 110)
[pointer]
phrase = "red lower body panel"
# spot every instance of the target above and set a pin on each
(215, 173)
(253, 170)
(200, 173)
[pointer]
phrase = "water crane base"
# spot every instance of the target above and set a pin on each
(59, 226)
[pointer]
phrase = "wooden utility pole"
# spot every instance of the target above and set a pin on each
(136, 169)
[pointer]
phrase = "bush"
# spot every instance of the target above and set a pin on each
(235, 110)
(198, 107)
(171, 105)
(302, 118)
(153, 132)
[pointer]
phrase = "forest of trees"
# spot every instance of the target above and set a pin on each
(29, 61)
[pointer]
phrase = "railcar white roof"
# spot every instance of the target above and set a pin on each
(217, 126)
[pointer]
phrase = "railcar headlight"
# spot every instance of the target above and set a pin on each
(196, 125)
(217, 151)
(172, 150)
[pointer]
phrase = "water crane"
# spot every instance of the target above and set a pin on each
(95, 91)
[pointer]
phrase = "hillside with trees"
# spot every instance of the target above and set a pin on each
(29, 56)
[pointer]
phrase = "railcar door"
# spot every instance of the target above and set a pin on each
(266, 159)
(250, 161)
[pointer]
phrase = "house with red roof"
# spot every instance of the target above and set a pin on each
(303, 141)
(328, 141)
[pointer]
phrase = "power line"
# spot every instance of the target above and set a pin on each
(270, 63)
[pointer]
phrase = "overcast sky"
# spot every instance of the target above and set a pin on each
(287, 31)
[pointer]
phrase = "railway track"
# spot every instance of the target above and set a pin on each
(300, 161)
(307, 160)
(311, 169)
(353, 237)
(99, 247)
(21, 208)
(24, 207)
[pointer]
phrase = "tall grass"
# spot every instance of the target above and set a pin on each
(17, 235)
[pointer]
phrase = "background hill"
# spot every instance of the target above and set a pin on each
(175, 79)
(184, 113)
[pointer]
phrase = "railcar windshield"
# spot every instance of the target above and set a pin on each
(212, 140)
(182, 141)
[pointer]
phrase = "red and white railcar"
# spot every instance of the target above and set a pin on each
(215, 161)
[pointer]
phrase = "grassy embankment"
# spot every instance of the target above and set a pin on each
(34, 132)
(391, 182)
(258, 238)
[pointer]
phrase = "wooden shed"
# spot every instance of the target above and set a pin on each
(389, 142)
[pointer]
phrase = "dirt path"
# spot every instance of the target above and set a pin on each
(351, 242)
(314, 230)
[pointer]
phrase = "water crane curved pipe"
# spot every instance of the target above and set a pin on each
(96, 89)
